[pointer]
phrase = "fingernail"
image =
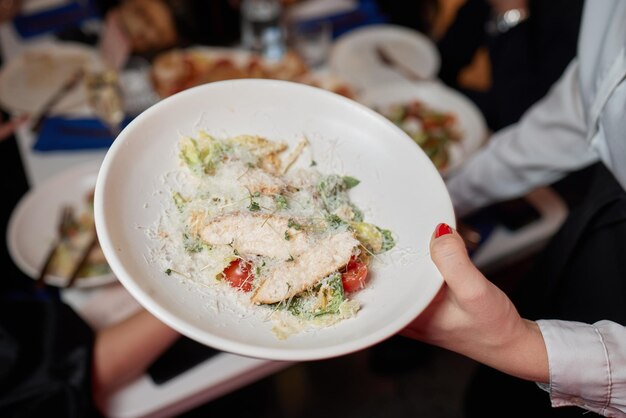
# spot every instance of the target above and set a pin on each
(442, 229)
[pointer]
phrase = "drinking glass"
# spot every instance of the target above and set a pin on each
(311, 40)
(104, 95)
(262, 29)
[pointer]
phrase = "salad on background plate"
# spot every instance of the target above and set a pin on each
(35, 227)
(443, 122)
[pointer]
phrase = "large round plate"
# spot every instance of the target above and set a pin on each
(31, 78)
(354, 56)
(400, 189)
(32, 227)
(436, 95)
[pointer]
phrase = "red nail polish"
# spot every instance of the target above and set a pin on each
(442, 229)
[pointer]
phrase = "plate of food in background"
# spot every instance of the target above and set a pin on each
(32, 78)
(271, 219)
(444, 123)
(179, 69)
(41, 232)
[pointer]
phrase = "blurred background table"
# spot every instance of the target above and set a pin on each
(225, 372)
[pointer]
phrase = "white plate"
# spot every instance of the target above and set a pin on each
(436, 95)
(32, 227)
(31, 78)
(354, 58)
(400, 189)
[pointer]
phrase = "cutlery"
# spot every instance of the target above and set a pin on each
(65, 88)
(64, 220)
(83, 259)
(390, 61)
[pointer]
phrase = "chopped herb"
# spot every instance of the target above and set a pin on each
(334, 221)
(293, 224)
(193, 244)
(287, 236)
(313, 163)
(254, 206)
(170, 271)
(290, 259)
(256, 194)
(333, 192)
(235, 252)
(281, 202)
(350, 182)
(388, 241)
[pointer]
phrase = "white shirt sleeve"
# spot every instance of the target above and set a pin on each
(547, 143)
(587, 365)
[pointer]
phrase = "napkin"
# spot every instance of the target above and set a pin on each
(59, 133)
(55, 19)
(365, 12)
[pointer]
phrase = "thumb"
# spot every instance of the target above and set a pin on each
(448, 251)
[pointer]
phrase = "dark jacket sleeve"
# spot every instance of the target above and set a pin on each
(464, 36)
(45, 359)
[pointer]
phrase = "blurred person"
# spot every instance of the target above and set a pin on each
(157, 25)
(9, 125)
(149, 25)
(569, 334)
(419, 15)
(529, 44)
(9, 9)
(50, 360)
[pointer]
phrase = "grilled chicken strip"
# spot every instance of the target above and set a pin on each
(289, 278)
(257, 234)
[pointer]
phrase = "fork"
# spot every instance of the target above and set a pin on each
(83, 259)
(388, 60)
(65, 88)
(64, 221)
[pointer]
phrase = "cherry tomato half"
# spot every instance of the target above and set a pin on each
(238, 275)
(354, 277)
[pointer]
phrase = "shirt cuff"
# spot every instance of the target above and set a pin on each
(580, 373)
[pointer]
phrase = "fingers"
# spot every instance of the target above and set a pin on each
(7, 129)
(449, 254)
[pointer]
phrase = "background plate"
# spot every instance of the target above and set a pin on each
(353, 56)
(436, 95)
(32, 227)
(31, 78)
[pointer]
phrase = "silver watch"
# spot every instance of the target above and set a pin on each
(503, 22)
